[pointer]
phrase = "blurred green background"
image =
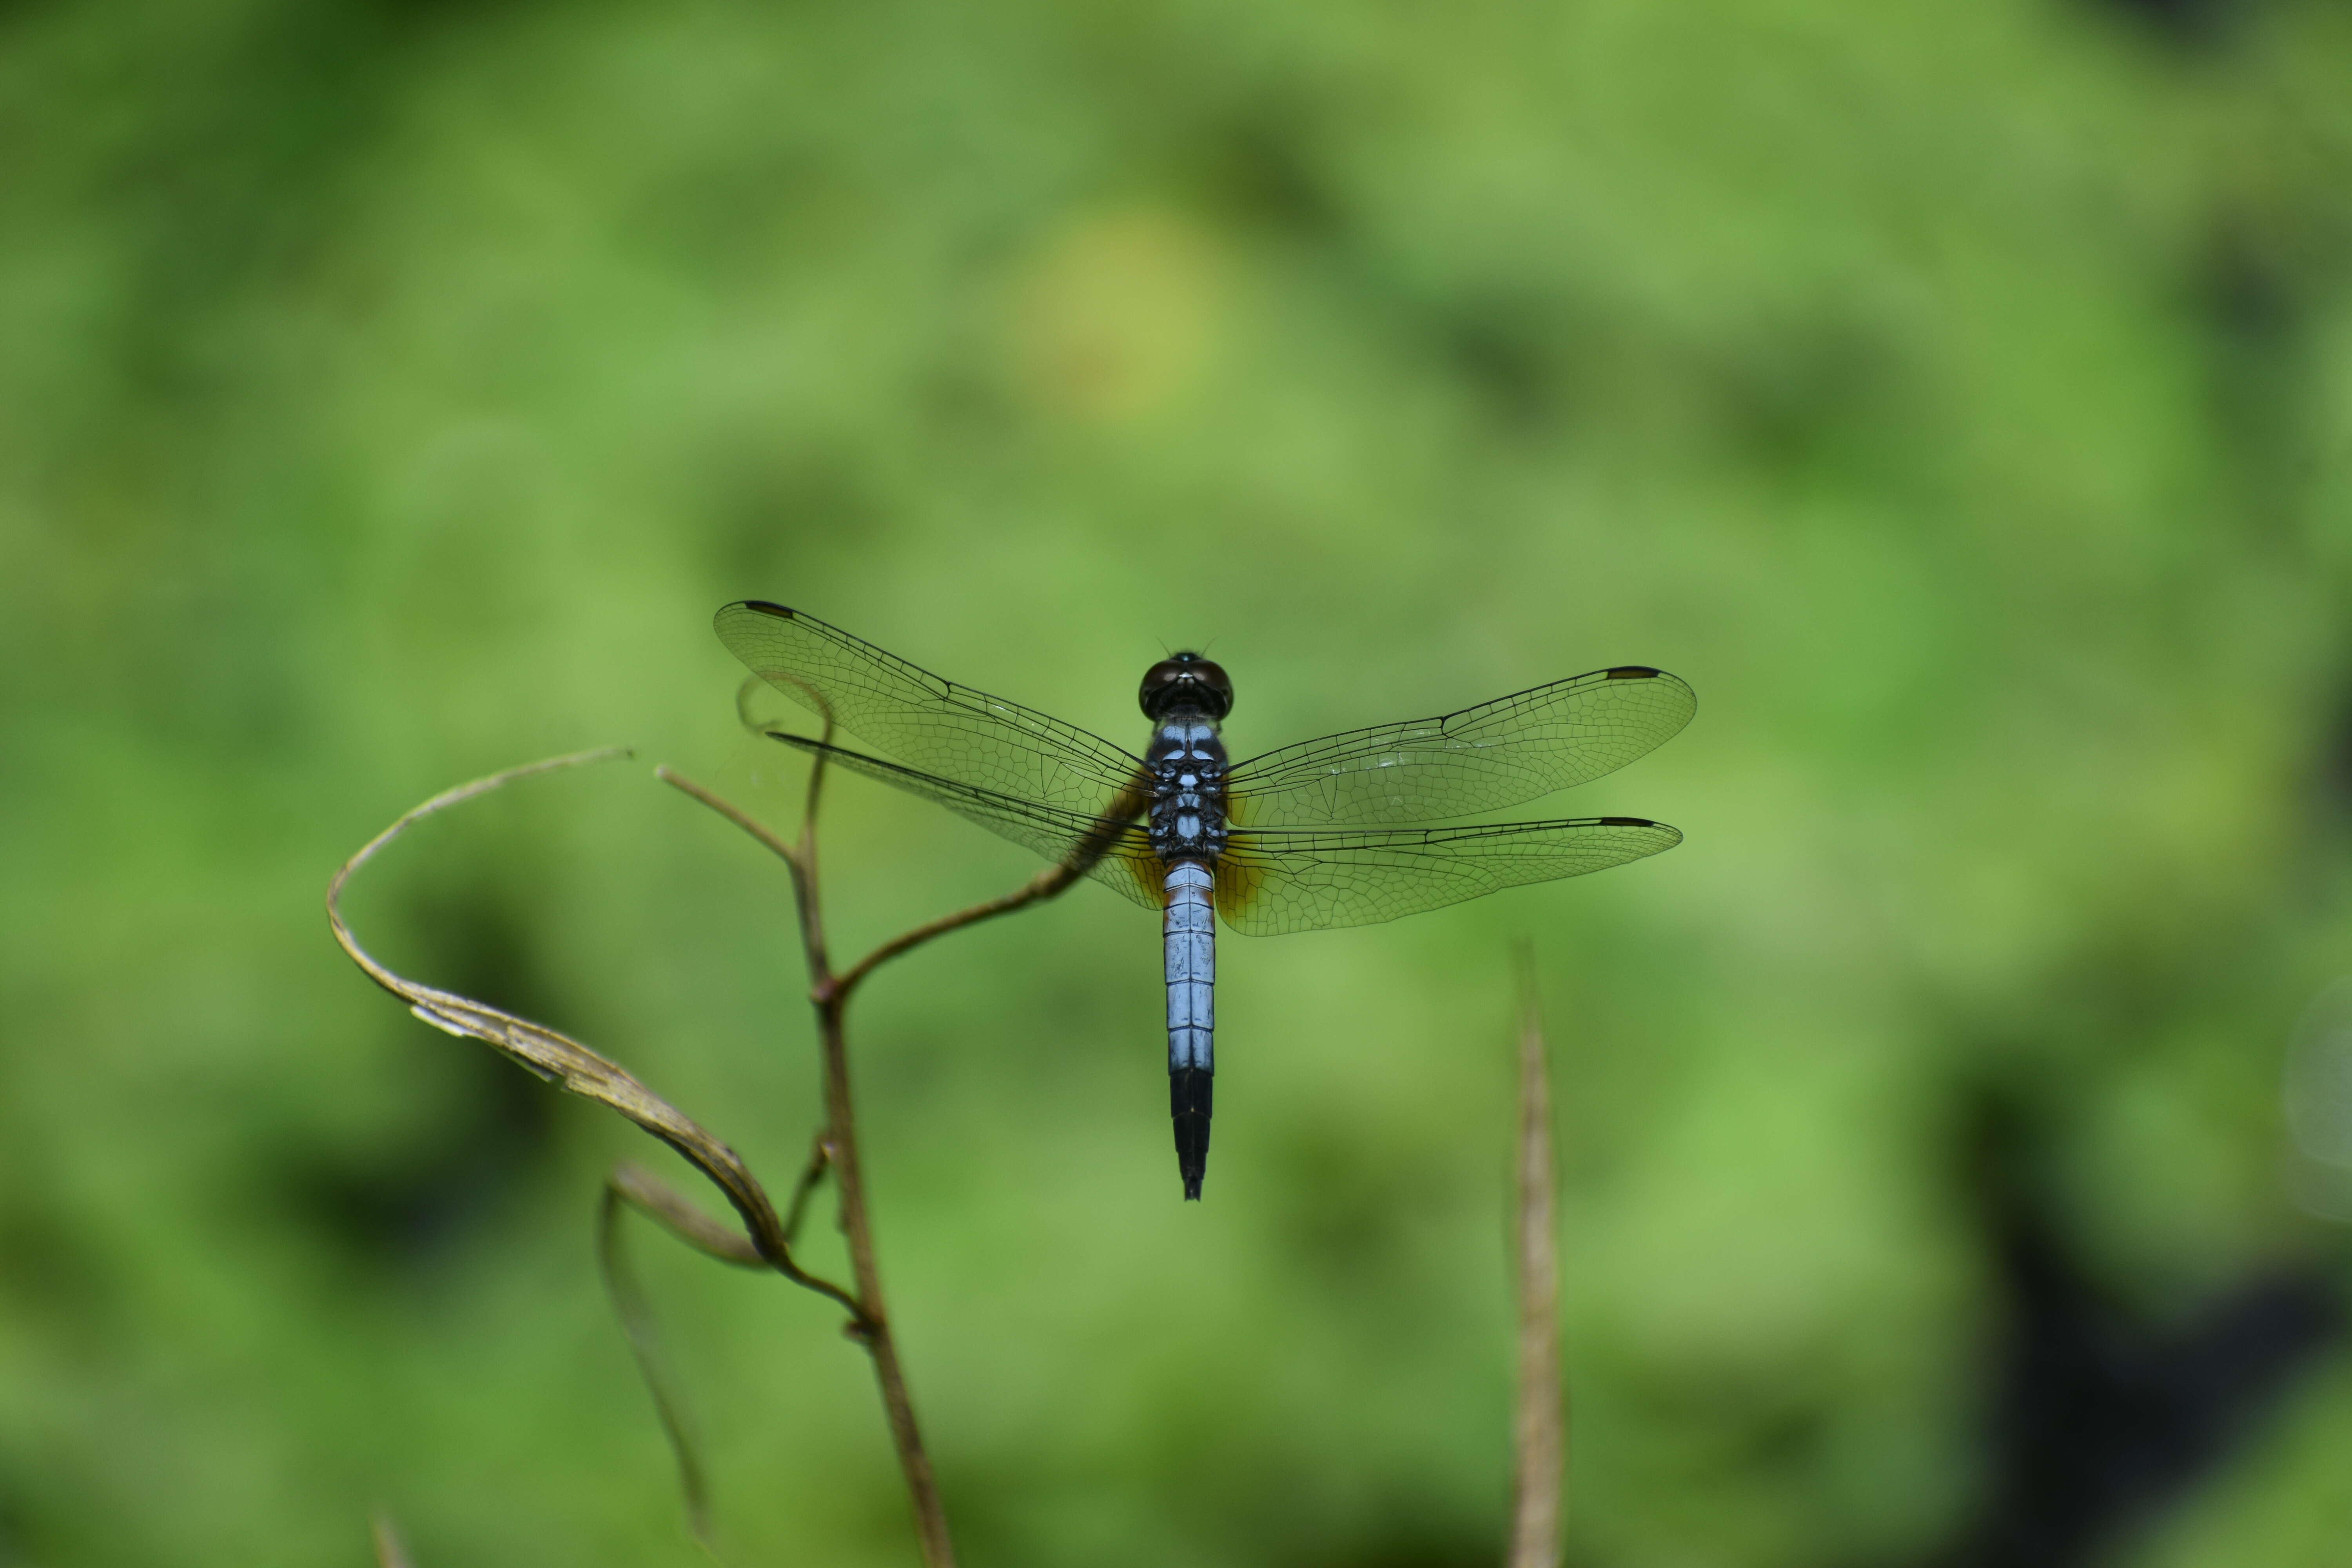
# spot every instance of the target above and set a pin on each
(1959, 398)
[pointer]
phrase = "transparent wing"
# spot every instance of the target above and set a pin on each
(1108, 847)
(962, 735)
(1496, 754)
(1272, 882)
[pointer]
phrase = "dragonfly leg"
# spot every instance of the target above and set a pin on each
(1191, 934)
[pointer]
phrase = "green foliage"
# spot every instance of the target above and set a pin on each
(1959, 398)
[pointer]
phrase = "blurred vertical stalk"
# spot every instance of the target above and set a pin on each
(1541, 1436)
(389, 1551)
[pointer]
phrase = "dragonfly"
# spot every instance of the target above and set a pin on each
(1308, 836)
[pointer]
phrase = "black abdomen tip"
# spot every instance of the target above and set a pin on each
(1189, 1101)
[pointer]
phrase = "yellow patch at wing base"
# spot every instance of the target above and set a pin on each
(1150, 877)
(1237, 889)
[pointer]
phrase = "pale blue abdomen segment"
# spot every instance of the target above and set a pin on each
(1191, 947)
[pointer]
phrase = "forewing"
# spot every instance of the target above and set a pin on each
(959, 734)
(1496, 754)
(1108, 847)
(1269, 882)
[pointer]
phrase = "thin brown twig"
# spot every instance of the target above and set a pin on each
(726, 808)
(889, 1372)
(1082, 857)
(820, 1161)
(1541, 1436)
(1044, 885)
(837, 1147)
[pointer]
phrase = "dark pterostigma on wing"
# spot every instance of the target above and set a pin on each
(1496, 754)
(934, 724)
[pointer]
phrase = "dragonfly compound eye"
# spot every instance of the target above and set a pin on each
(1186, 681)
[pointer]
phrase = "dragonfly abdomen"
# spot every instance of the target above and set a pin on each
(1187, 829)
(1191, 937)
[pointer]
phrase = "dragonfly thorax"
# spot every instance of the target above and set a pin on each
(1187, 787)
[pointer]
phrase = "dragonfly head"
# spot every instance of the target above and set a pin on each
(1186, 680)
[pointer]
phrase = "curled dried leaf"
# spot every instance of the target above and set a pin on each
(561, 1060)
(658, 1201)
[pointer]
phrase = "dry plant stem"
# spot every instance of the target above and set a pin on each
(820, 1161)
(1044, 885)
(1541, 1426)
(889, 1373)
(837, 1148)
(389, 1552)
